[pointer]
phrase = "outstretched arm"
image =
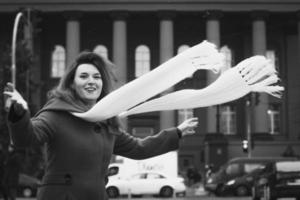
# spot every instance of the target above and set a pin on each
(167, 140)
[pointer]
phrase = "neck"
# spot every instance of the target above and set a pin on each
(90, 104)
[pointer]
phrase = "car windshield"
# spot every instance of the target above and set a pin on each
(113, 171)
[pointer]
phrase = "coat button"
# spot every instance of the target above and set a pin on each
(97, 129)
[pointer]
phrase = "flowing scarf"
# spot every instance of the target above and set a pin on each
(254, 74)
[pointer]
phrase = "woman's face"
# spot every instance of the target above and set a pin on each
(88, 83)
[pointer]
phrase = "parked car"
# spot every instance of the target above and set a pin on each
(27, 185)
(242, 185)
(146, 183)
(279, 179)
(236, 176)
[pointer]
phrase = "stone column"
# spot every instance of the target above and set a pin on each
(119, 45)
(259, 45)
(72, 36)
(213, 35)
(166, 50)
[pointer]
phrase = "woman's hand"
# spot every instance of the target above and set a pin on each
(13, 97)
(187, 127)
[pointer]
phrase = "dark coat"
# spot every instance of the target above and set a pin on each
(79, 152)
(12, 169)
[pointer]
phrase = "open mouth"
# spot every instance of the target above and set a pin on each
(90, 89)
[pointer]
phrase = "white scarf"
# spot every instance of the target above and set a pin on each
(254, 74)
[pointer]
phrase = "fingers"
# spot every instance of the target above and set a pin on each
(193, 122)
(14, 96)
(9, 87)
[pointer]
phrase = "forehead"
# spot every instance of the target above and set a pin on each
(86, 68)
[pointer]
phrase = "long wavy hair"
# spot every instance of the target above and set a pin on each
(65, 91)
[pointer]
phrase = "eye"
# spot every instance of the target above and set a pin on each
(83, 76)
(97, 76)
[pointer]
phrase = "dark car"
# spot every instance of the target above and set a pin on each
(242, 185)
(279, 179)
(235, 176)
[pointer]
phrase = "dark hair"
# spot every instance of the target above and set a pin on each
(65, 91)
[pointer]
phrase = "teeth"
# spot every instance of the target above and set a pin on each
(90, 89)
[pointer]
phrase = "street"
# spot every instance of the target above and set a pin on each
(189, 198)
(202, 197)
(186, 198)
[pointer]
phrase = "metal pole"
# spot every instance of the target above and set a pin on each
(248, 112)
(218, 119)
(13, 54)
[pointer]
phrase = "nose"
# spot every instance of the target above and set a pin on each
(91, 80)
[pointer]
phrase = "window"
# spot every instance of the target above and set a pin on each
(233, 170)
(142, 60)
(58, 62)
(139, 176)
(113, 171)
(101, 50)
(250, 167)
(228, 119)
(274, 104)
(274, 118)
(228, 57)
(184, 114)
(154, 176)
(270, 54)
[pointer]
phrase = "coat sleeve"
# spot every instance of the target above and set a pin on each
(26, 131)
(137, 148)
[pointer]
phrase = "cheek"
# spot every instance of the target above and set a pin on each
(100, 84)
(77, 86)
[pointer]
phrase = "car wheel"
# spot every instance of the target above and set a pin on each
(166, 191)
(27, 192)
(241, 191)
(112, 192)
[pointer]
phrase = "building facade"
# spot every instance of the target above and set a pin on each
(139, 35)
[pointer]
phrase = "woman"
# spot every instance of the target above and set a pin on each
(78, 151)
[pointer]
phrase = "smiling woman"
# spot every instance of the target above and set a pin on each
(79, 151)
